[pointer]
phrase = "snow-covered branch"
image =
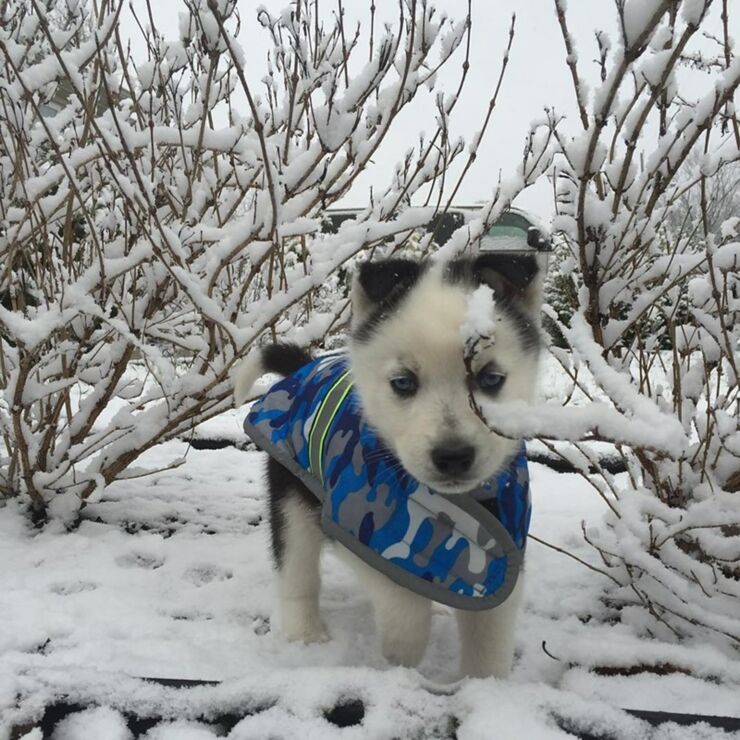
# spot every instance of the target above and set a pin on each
(160, 215)
(656, 292)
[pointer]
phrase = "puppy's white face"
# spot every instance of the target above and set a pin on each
(414, 378)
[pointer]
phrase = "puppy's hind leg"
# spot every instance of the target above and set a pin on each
(487, 637)
(296, 544)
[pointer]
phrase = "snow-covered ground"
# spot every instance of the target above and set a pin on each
(170, 576)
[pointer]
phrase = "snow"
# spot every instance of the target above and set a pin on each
(729, 228)
(170, 576)
(479, 322)
(655, 67)
(727, 257)
(101, 722)
(692, 11)
(598, 421)
(637, 17)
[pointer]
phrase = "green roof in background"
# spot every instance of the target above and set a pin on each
(510, 224)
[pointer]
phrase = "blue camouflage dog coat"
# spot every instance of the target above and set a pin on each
(464, 550)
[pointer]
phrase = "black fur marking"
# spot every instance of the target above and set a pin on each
(281, 485)
(459, 272)
(525, 326)
(508, 274)
(382, 278)
(518, 270)
(285, 358)
(385, 284)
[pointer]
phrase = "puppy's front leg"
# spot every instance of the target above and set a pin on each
(487, 637)
(297, 541)
(403, 618)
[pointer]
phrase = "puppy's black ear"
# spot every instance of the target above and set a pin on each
(382, 283)
(512, 277)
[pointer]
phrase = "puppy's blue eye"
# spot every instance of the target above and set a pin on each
(490, 380)
(405, 385)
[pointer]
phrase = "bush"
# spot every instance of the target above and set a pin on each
(150, 212)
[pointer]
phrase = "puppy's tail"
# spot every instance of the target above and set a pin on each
(282, 359)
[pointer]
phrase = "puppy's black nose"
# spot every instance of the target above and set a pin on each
(454, 458)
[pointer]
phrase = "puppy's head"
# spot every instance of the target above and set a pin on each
(414, 371)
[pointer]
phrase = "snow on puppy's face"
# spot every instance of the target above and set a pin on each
(424, 336)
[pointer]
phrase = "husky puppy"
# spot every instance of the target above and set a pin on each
(414, 378)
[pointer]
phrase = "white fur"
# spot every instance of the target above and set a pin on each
(487, 637)
(245, 374)
(299, 576)
(424, 336)
(403, 618)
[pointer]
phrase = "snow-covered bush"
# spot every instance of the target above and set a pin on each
(148, 209)
(671, 543)
(560, 290)
(323, 315)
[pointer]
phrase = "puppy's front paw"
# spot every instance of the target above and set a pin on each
(485, 667)
(302, 623)
(306, 633)
(407, 653)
